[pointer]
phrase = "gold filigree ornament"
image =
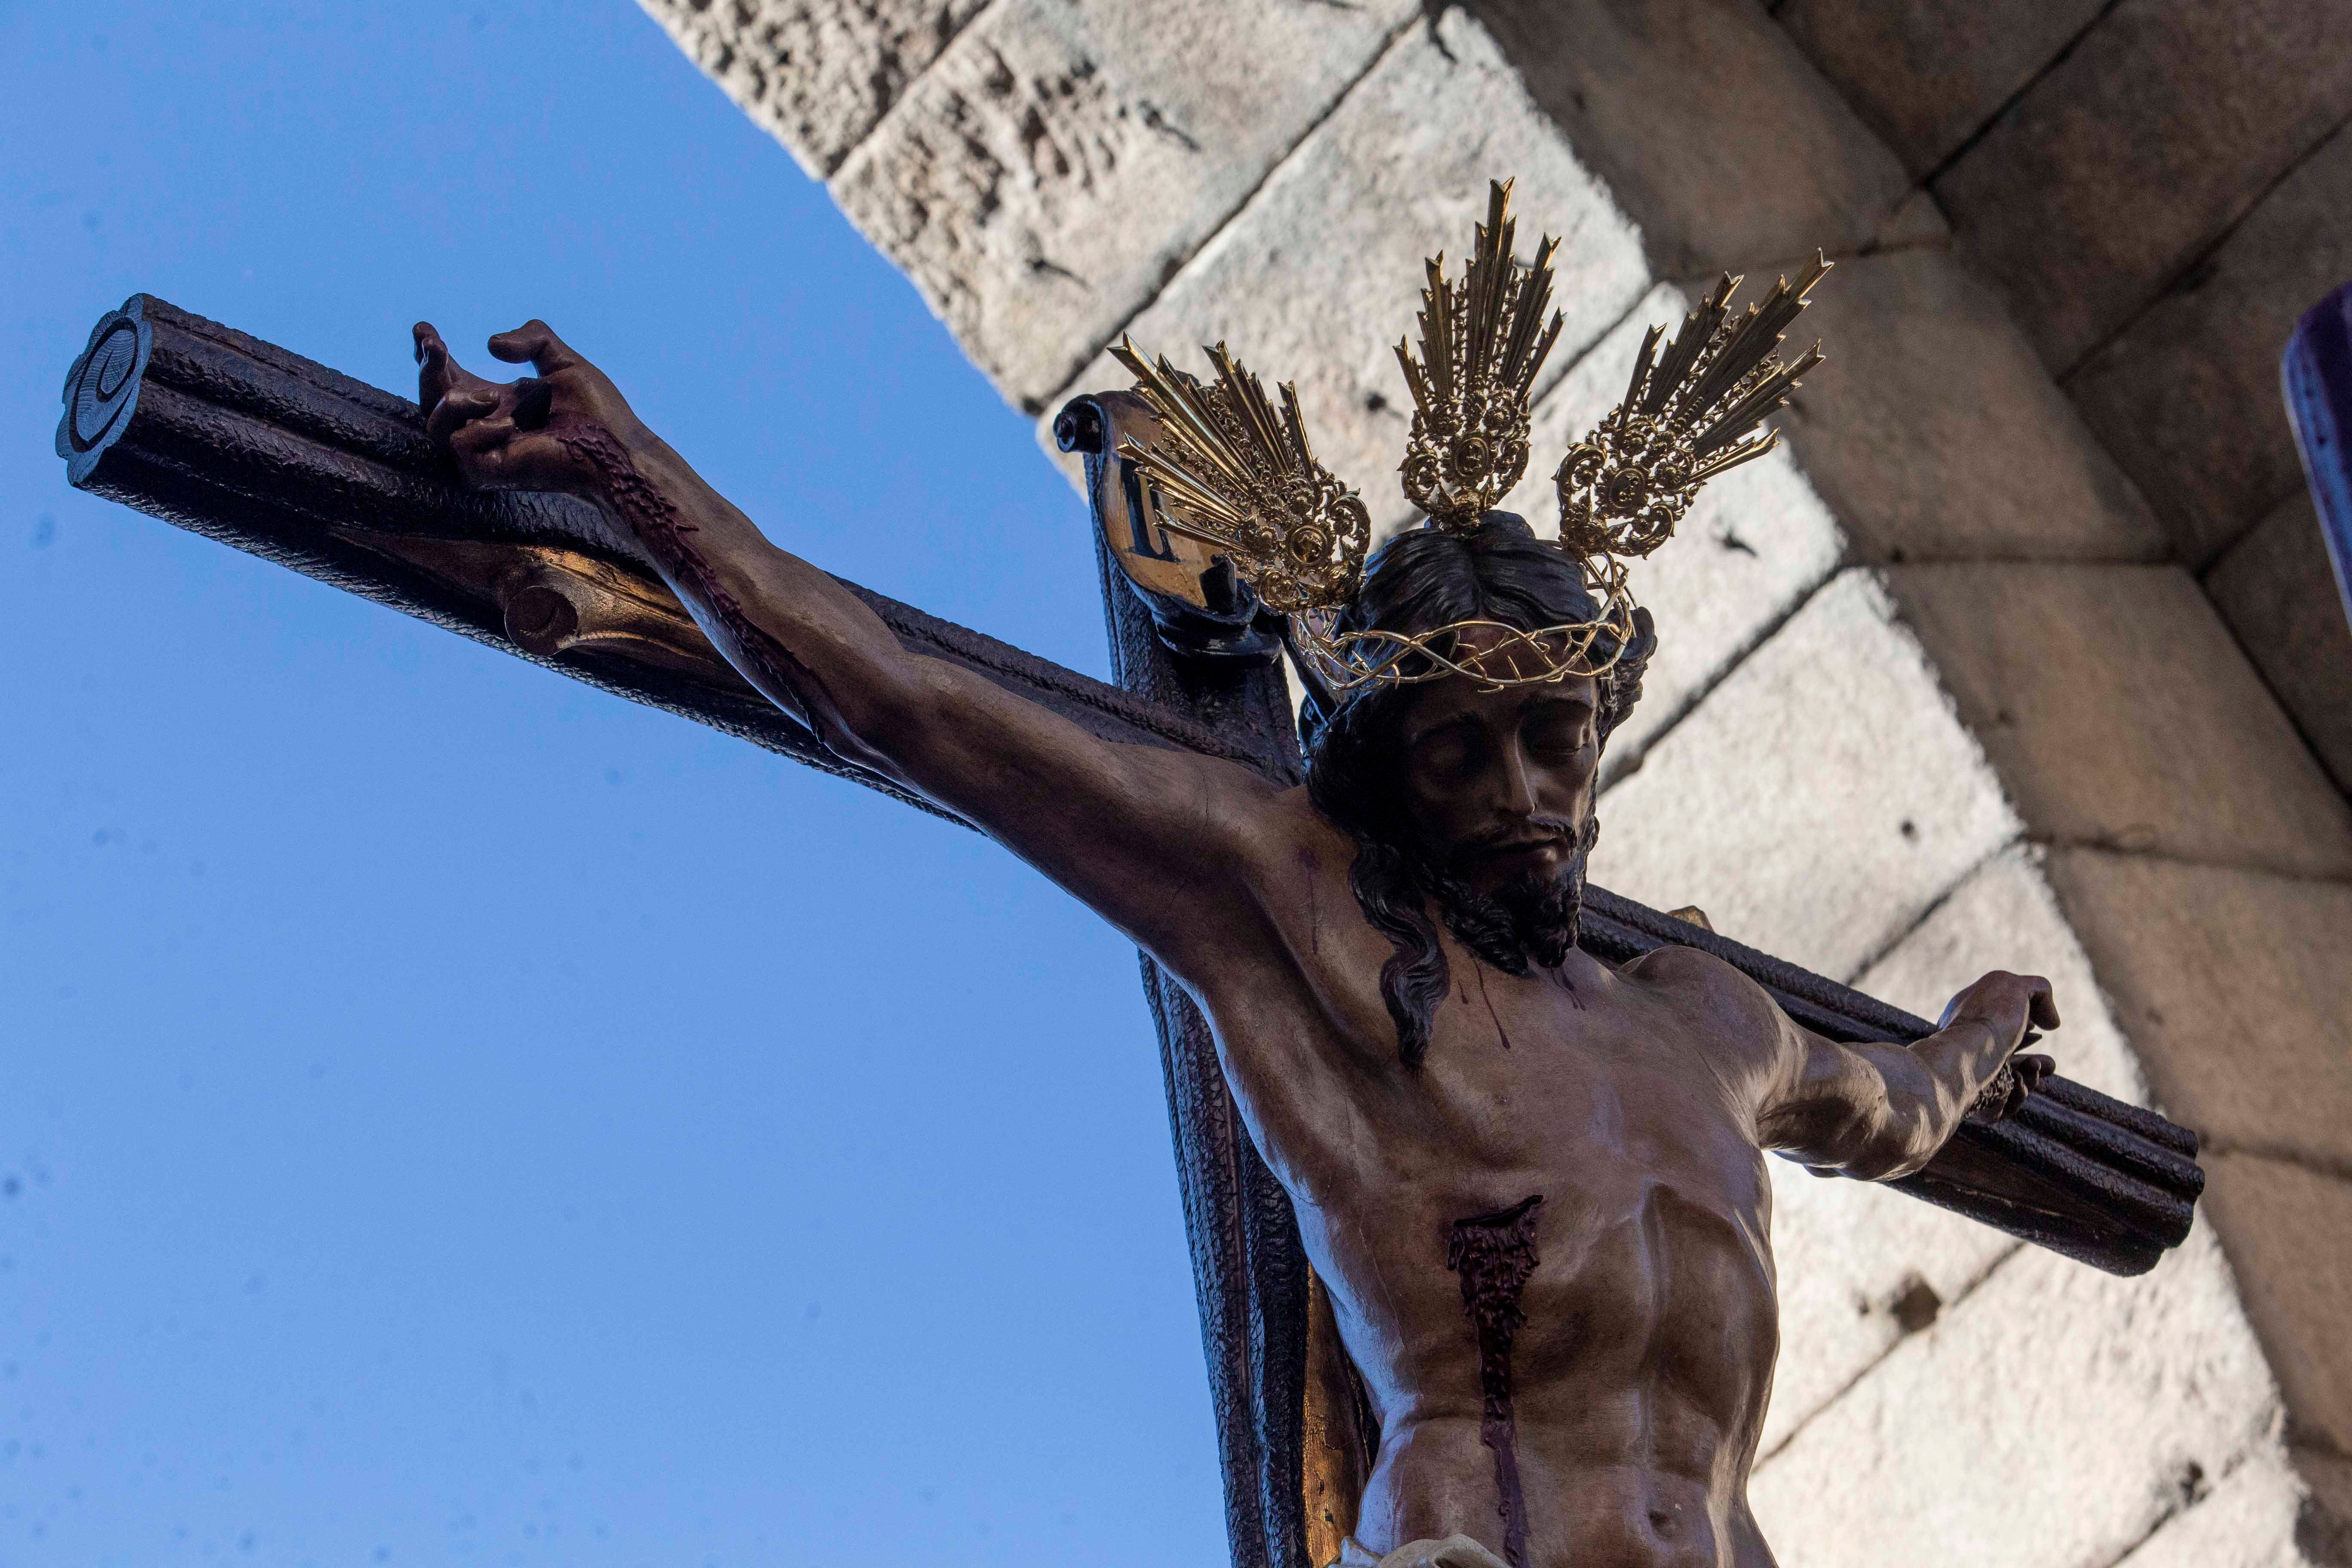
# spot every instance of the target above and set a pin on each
(1481, 346)
(1232, 474)
(1228, 471)
(1686, 417)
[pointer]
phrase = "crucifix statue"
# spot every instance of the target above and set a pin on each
(1473, 1153)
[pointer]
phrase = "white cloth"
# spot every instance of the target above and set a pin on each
(1453, 1552)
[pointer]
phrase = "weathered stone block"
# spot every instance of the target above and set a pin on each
(1756, 162)
(2288, 1229)
(2231, 987)
(1859, 1266)
(1915, 221)
(2324, 1527)
(1058, 163)
(814, 74)
(2247, 1520)
(1819, 799)
(2052, 1420)
(2119, 713)
(2138, 151)
(2005, 916)
(1860, 1269)
(1925, 76)
(1934, 432)
(2188, 397)
(1319, 276)
(2277, 591)
(1756, 542)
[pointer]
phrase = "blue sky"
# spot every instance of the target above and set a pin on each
(447, 1114)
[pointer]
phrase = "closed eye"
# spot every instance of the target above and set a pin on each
(1557, 729)
(1451, 752)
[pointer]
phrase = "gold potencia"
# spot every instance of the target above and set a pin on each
(1228, 471)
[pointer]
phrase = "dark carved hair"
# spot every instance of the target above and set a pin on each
(1417, 581)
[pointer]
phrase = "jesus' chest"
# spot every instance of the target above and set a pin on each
(1594, 1095)
(1602, 1137)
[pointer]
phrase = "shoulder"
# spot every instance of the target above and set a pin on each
(1299, 868)
(1686, 972)
(1278, 858)
(1728, 1019)
(1293, 967)
(1213, 816)
(1283, 831)
(1704, 987)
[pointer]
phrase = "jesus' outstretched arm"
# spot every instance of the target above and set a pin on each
(1879, 1111)
(1151, 840)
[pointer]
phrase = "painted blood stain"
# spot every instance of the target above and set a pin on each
(1504, 1035)
(1310, 865)
(656, 524)
(1560, 978)
(1495, 1253)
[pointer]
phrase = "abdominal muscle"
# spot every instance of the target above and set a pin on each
(1637, 1388)
(1583, 1514)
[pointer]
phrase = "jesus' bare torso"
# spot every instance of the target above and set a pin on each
(1548, 1241)
(1627, 1101)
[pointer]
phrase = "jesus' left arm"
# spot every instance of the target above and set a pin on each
(1879, 1111)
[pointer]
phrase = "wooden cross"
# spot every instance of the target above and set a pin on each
(248, 444)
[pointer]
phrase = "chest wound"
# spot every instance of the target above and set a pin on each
(1493, 1254)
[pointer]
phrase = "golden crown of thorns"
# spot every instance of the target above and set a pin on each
(1228, 470)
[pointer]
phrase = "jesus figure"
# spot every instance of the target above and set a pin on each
(1532, 1182)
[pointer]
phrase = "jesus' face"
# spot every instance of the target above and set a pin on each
(1500, 784)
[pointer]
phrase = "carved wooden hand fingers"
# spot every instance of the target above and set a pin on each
(2009, 1005)
(2043, 1007)
(504, 435)
(2025, 1072)
(535, 343)
(449, 394)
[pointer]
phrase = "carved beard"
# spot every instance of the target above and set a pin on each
(1529, 922)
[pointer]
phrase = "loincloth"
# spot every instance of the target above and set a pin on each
(1453, 1552)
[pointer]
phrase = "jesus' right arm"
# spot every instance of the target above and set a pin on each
(1159, 842)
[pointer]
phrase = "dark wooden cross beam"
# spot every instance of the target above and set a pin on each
(245, 443)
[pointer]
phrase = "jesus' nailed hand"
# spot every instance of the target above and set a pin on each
(1533, 1183)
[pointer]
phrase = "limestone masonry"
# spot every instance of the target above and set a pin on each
(2027, 658)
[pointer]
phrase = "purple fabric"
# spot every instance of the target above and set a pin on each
(2316, 375)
